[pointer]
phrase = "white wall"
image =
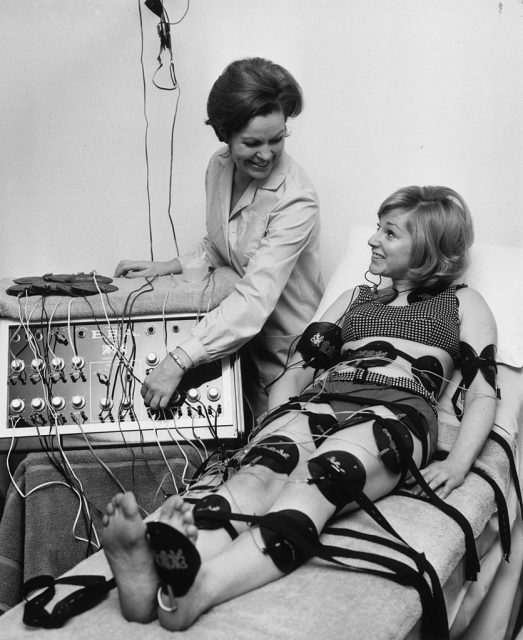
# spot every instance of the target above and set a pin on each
(397, 92)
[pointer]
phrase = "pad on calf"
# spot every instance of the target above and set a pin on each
(290, 538)
(212, 512)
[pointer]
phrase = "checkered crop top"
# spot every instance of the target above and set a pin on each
(433, 321)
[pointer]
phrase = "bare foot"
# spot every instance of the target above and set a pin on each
(130, 558)
(178, 514)
(179, 613)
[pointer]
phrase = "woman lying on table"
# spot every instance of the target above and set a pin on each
(336, 436)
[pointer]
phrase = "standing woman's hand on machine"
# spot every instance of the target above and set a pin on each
(161, 383)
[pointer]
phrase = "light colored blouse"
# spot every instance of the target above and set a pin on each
(271, 239)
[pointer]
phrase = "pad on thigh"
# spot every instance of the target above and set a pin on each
(321, 426)
(339, 475)
(386, 432)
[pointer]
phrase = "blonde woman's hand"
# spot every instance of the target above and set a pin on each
(443, 476)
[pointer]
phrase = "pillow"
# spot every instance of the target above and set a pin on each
(495, 271)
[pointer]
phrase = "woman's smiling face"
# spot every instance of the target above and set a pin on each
(256, 148)
(391, 247)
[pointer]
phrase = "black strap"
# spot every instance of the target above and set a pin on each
(433, 604)
(435, 621)
(419, 558)
(413, 415)
(365, 503)
(501, 504)
(94, 590)
(472, 566)
(494, 435)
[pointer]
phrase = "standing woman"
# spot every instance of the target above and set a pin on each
(263, 221)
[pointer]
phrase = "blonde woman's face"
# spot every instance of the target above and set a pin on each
(391, 247)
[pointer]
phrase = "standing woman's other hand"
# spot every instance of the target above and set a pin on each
(145, 268)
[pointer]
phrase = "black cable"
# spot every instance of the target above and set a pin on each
(146, 133)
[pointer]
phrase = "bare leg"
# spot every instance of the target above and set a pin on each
(253, 489)
(242, 566)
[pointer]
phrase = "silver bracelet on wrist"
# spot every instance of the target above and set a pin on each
(178, 361)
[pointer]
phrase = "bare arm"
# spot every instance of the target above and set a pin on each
(296, 378)
(478, 329)
(146, 268)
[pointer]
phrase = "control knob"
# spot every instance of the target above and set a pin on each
(58, 403)
(152, 359)
(37, 364)
(57, 364)
(78, 402)
(213, 393)
(77, 362)
(17, 365)
(193, 395)
(106, 404)
(38, 404)
(17, 405)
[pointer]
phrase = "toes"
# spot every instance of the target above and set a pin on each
(113, 505)
(117, 499)
(191, 531)
(128, 504)
(187, 517)
(122, 503)
(172, 506)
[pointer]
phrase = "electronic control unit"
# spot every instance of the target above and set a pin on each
(83, 378)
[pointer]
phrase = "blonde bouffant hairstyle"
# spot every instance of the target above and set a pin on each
(442, 232)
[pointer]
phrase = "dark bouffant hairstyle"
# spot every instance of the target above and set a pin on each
(248, 88)
(441, 228)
